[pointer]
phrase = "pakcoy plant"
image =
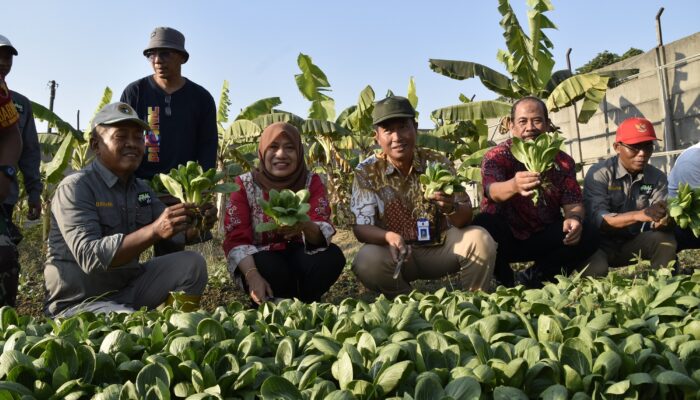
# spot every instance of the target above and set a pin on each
(578, 338)
(285, 208)
(437, 178)
(538, 155)
(191, 184)
(685, 208)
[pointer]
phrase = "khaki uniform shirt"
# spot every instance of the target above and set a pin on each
(383, 196)
(91, 213)
(610, 189)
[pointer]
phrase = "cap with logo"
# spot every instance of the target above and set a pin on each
(5, 42)
(635, 130)
(164, 37)
(117, 112)
(392, 107)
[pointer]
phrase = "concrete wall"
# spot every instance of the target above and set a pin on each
(642, 96)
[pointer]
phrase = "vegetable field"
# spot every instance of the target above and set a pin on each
(579, 338)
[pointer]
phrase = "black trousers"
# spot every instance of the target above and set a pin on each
(293, 273)
(9, 264)
(685, 239)
(546, 248)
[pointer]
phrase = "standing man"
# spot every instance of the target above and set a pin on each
(30, 157)
(180, 113)
(407, 237)
(10, 148)
(550, 232)
(625, 200)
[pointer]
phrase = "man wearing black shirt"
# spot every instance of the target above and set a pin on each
(181, 114)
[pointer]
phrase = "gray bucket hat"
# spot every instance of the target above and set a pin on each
(164, 37)
(117, 112)
(5, 42)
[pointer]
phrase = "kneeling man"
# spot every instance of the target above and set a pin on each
(103, 218)
(625, 198)
(407, 237)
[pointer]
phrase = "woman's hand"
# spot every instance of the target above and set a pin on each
(258, 288)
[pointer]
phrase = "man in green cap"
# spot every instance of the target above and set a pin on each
(406, 236)
(103, 218)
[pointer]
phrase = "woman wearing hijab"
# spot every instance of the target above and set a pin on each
(298, 261)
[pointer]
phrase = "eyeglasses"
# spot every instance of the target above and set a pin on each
(163, 55)
(647, 147)
(168, 110)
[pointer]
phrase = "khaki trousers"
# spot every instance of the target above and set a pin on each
(656, 246)
(470, 250)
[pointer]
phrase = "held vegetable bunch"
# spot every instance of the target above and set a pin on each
(685, 208)
(538, 154)
(190, 184)
(286, 208)
(437, 178)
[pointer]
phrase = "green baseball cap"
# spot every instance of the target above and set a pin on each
(117, 112)
(392, 107)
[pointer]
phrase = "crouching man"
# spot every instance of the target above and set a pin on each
(103, 218)
(406, 236)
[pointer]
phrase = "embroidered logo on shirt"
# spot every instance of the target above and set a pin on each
(104, 204)
(646, 188)
(144, 199)
(19, 107)
(611, 187)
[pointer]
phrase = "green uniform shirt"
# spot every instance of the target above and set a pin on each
(610, 189)
(91, 213)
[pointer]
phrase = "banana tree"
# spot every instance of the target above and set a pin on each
(529, 62)
(70, 151)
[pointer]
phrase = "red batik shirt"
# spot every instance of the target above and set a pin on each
(8, 112)
(243, 213)
(522, 215)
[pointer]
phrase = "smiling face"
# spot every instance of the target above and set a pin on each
(397, 138)
(529, 120)
(281, 158)
(119, 147)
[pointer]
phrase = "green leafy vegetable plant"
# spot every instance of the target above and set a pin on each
(190, 184)
(538, 154)
(285, 207)
(685, 208)
(437, 178)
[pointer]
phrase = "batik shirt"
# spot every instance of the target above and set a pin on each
(383, 196)
(243, 214)
(559, 188)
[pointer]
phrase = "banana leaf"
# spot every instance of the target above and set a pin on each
(473, 111)
(589, 87)
(492, 79)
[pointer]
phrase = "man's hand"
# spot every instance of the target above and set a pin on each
(654, 213)
(172, 221)
(573, 229)
(209, 212)
(445, 202)
(397, 246)
(258, 288)
(34, 211)
(525, 183)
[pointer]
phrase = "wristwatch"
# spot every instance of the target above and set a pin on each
(9, 171)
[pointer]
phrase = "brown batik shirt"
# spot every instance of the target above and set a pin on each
(383, 196)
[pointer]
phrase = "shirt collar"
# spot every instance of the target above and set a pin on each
(621, 171)
(108, 176)
(416, 167)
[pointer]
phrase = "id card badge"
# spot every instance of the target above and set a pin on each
(423, 227)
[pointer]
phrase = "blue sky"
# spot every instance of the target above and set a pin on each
(88, 45)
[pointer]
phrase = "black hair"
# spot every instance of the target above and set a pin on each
(529, 98)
